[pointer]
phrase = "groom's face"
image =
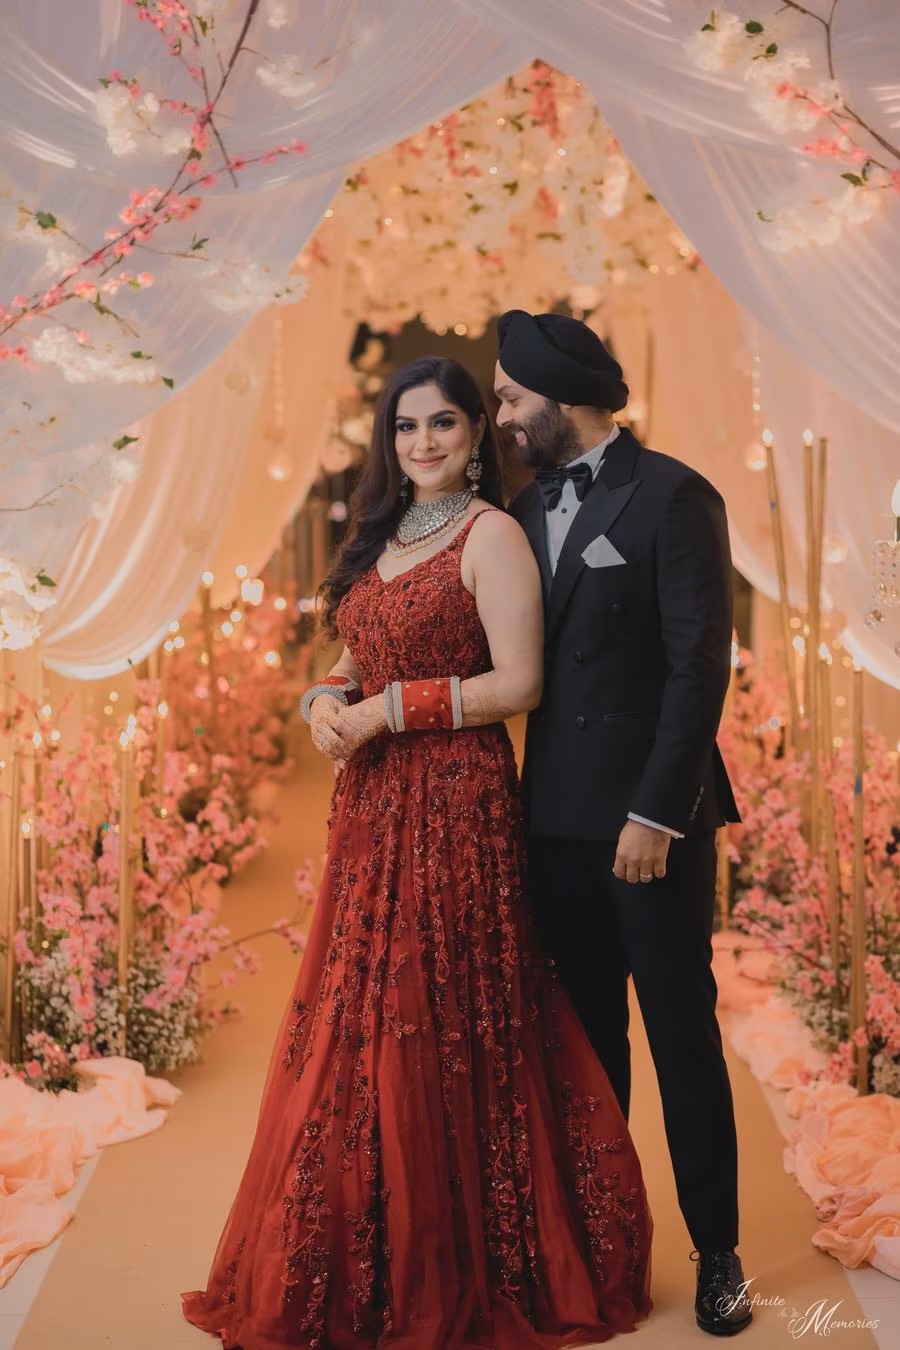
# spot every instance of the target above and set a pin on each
(545, 435)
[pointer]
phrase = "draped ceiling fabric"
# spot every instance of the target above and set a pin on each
(691, 135)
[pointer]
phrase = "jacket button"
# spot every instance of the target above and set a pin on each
(579, 722)
(616, 608)
(579, 657)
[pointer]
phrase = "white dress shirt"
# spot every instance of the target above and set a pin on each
(558, 522)
(560, 518)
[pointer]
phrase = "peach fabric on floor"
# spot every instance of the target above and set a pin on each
(776, 1044)
(743, 970)
(845, 1153)
(44, 1137)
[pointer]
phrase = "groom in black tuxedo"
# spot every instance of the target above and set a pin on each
(623, 784)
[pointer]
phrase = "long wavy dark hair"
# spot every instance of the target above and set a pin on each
(375, 507)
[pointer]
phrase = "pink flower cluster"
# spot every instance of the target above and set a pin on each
(191, 833)
(783, 885)
(249, 701)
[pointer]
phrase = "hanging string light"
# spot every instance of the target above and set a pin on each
(755, 453)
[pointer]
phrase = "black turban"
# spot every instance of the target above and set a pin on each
(560, 358)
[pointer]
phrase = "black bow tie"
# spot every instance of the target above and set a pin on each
(551, 482)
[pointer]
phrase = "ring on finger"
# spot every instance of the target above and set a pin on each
(646, 876)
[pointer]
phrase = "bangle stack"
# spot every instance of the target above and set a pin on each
(424, 705)
(341, 687)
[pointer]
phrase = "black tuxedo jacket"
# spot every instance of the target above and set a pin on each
(638, 654)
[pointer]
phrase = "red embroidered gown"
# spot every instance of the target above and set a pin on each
(439, 1161)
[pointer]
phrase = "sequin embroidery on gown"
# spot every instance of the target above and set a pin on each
(439, 1160)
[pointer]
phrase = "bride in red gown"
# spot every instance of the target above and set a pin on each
(439, 1160)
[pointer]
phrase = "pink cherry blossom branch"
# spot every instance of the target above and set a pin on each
(828, 24)
(153, 208)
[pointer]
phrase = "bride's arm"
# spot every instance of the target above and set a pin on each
(345, 665)
(507, 588)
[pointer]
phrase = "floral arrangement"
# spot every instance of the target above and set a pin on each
(523, 186)
(793, 89)
(195, 829)
(244, 677)
(781, 884)
(71, 321)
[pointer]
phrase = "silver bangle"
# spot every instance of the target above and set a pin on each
(397, 696)
(333, 689)
(389, 708)
(456, 701)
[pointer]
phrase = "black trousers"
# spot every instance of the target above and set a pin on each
(600, 930)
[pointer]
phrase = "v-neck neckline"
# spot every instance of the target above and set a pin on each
(387, 581)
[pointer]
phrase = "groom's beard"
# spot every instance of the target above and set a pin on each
(550, 438)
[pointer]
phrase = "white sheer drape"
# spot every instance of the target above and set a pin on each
(382, 73)
(206, 498)
(712, 163)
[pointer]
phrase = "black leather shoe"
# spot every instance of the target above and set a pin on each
(721, 1305)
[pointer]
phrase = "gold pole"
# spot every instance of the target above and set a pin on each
(793, 722)
(126, 776)
(829, 834)
(12, 906)
(858, 925)
(24, 902)
(209, 641)
(811, 646)
(40, 848)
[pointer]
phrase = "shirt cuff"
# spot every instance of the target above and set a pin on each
(642, 820)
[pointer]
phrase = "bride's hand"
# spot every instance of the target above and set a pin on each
(359, 723)
(324, 721)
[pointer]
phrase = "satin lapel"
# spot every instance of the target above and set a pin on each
(534, 523)
(610, 493)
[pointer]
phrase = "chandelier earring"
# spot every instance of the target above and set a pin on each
(474, 467)
(404, 486)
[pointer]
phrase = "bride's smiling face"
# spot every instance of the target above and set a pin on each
(433, 439)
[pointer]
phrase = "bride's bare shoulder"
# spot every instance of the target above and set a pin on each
(495, 532)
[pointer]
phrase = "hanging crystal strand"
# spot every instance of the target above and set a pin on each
(886, 569)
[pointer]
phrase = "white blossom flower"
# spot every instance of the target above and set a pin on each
(133, 123)
(797, 225)
(60, 253)
(235, 287)
(277, 14)
(285, 76)
(22, 599)
(22, 581)
(83, 363)
(19, 625)
(781, 111)
(721, 45)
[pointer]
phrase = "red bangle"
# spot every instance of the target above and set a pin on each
(426, 705)
(345, 682)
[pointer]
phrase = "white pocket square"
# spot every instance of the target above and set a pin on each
(601, 553)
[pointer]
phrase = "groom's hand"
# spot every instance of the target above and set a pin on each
(641, 853)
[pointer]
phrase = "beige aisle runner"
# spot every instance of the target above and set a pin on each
(148, 1224)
